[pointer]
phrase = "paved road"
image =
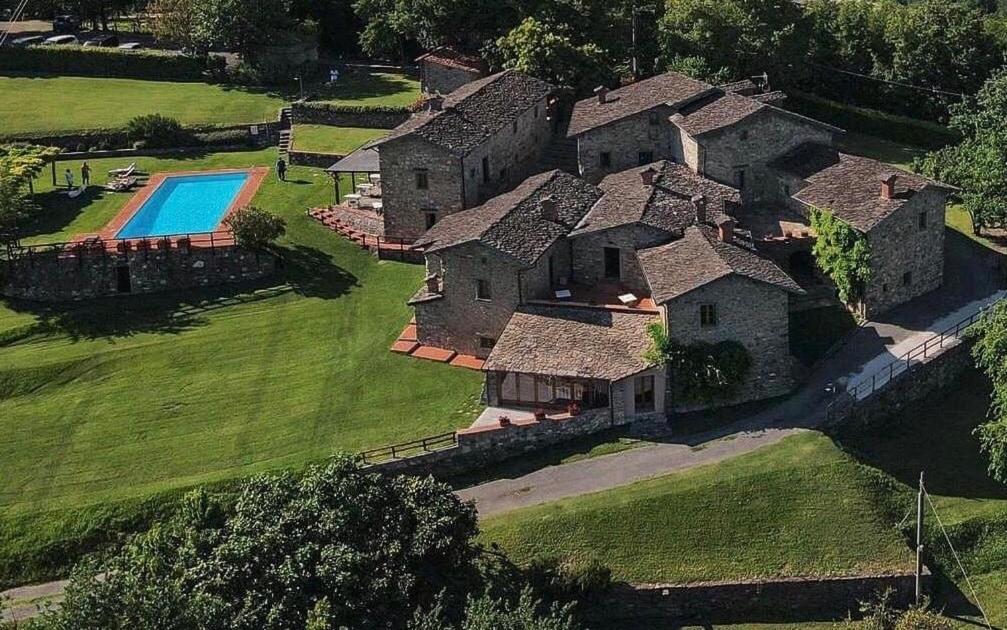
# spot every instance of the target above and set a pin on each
(22, 600)
(970, 282)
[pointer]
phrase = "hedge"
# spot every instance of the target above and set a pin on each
(920, 133)
(337, 108)
(107, 62)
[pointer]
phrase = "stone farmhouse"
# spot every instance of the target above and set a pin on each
(443, 70)
(692, 210)
(479, 141)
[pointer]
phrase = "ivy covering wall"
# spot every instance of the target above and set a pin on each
(842, 253)
(702, 372)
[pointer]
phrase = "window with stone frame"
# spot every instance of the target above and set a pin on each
(483, 291)
(654, 119)
(487, 343)
(486, 169)
(739, 178)
(430, 218)
(605, 159)
(643, 394)
(707, 315)
(536, 111)
(922, 220)
(513, 126)
(907, 278)
(422, 179)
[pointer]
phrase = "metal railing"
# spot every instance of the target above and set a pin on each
(410, 449)
(906, 362)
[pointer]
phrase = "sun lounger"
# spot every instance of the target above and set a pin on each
(76, 192)
(123, 172)
(121, 184)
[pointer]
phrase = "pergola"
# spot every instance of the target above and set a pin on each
(363, 161)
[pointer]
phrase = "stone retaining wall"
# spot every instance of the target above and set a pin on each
(67, 277)
(112, 139)
(317, 160)
(336, 116)
(783, 599)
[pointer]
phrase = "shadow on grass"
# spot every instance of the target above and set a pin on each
(356, 85)
(57, 210)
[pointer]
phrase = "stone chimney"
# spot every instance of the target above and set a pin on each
(648, 175)
(602, 93)
(699, 204)
(888, 185)
(433, 282)
(549, 209)
(725, 230)
(435, 103)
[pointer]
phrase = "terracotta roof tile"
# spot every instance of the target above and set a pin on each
(670, 88)
(573, 342)
(700, 258)
(451, 57)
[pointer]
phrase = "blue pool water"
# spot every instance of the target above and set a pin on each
(185, 204)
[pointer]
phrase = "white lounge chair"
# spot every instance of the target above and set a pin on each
(123, 172)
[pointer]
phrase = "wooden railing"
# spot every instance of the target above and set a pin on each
(410, 449)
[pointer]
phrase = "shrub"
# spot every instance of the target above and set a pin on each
(224, 138)
(108, 62)
(255, 228)
(157, 131)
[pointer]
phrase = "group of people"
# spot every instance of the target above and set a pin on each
(85, 177)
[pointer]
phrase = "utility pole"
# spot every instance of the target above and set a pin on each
(919, 543)
(635, 68)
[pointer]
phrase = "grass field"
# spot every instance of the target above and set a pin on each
(335, 140)
(799, 508)
(123, 399)
(359, 87)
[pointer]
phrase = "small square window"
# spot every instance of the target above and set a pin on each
(431, 218)
(487, 343)
(422, 180)
(513, 127)
(536, 111)
(483, 290)
(486, 169)
(786, 189)
(707, 315)
(907, 278)
(744, 135)
(739, 178)
(643, 394)
(922, 220)
(884, 288)
(654, 119)
(605, 159)
(645, 157)
(503, 174)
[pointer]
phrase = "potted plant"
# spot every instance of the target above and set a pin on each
(124, 247)
(504, 421)
(183, 244)
(143, 245)
(573, 408)
(540, 414)
(164, 244)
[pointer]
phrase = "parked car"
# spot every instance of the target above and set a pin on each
(65, 24)
(131, 46)
(103, 41)
(61, 40)
(28, 40)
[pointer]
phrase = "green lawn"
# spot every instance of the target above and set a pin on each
(359, 87)
(798, 508)
(894, 153)
(335, 140)
(50, 104)
(105, 405)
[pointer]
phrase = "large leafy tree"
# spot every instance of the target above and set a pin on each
(990, 353)
(239, 25)
(978, 164)
(19, 165)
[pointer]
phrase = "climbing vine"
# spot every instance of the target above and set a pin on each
(842, 253)
(703, 372)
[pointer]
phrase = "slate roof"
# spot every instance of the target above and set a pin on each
(453, 58)
(473, 112)
(849, 186)
(699, 258)
(724, 109)
(512, 223)
(665, 206)
(670, 88)
(573, 342)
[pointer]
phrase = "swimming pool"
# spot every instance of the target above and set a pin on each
(185, 204)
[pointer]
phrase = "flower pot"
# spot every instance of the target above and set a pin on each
(573, 408)
(540, 414)
(504, 421)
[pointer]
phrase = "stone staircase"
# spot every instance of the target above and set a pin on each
(286, 131)
(561, 153)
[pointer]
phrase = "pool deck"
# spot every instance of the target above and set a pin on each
(256, 175)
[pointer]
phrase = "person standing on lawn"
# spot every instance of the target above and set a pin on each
(281, 169)
(85, 175)
(69, 179)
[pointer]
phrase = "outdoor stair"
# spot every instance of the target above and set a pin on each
(560, 154)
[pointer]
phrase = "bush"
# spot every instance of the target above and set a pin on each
(109, 62)
(157, 132)
(224, 138)
(255, 228)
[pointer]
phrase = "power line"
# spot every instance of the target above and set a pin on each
(961, 567)
(15, 16)
(910, 86)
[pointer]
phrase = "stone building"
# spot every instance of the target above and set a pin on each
(443, 70)
(481, 140)
(900, 213)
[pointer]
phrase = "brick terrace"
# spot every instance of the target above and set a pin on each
(408, 345)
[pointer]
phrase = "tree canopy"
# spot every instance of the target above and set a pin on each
(990, 353)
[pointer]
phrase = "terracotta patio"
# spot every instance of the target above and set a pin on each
(408, 345)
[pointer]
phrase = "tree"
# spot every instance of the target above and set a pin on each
(375, 547)
(842, 253)
(978, 164)
(255, 228)
(19, 165)
(175, 21)
(990, 353)
(547, 52)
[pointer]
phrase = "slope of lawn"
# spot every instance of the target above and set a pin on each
(106, 405)
(360, 87)
(798, 508)
(335, 140)
(52, 104)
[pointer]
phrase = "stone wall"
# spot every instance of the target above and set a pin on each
(589, 255)
(437, 78)
(752, 313)
(624, 140)
(337, 116)
(115, 139)
(405, 205)
(900, 246)
(65, 277)
(317, 160)
(781, 599)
